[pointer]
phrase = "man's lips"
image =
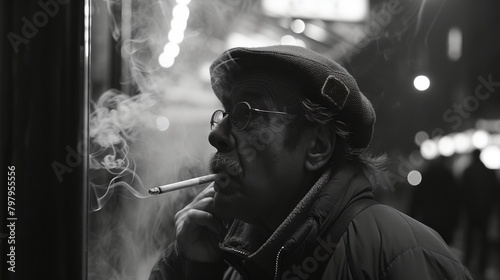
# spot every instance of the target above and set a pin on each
(225, 185)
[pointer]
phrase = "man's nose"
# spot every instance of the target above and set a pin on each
(220, 137)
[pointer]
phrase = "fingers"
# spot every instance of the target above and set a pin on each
(204, 219)
(200, 213)
(191, 220)
(198, 231)
(207, 192)
(200, 201)
(204, 203)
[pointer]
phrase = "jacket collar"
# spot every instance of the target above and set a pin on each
(249, 248)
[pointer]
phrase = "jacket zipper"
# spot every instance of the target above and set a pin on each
(237, 251)
(278, 256)
(234, 265)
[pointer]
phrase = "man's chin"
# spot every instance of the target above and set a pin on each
(224, 202)
(227, 205)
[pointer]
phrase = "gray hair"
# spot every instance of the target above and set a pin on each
(316, 114)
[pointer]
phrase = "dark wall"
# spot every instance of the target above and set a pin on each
(43, 127)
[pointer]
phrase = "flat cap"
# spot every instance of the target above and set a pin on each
(326, 82)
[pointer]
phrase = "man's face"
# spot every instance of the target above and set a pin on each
(266, 176)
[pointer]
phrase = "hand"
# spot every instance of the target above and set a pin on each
(198, 231)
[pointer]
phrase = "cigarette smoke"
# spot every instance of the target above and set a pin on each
(124, 133)
(142, 137)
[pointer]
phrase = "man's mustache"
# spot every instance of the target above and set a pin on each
(221, 162)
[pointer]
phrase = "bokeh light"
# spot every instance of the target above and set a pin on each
(176, 36)
(171, 49)
(181, 12)
(421, 83)
(288, 40)
(446, 146)
(298, 26)
(480, 139)
(429, 149)
(414, 178)
(165, 60)
(420, 137)
(462, 143)
(490, 156)
(162, 123)
(178, 24)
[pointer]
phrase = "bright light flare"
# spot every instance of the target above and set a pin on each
(421, 83)
(181, 12)
(462, 143)
(176, 36)
(490, 156)
(429, 149)
(330, 10)
(165, 60)
(178, 24)
(480, 139)
(171, 49)
(446, 146)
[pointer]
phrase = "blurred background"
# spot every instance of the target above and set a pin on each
(129, 81)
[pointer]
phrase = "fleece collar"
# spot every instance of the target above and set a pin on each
(248, 247)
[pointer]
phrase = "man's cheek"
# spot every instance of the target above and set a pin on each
(247, 153)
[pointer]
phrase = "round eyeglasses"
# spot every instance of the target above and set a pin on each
(240, 116)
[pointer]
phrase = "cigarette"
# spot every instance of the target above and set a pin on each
(185, 184)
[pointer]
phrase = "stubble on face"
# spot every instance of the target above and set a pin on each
(224, 162)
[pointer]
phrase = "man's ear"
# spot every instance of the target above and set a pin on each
(321, 148)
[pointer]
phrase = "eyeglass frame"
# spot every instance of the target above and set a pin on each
(224, 114)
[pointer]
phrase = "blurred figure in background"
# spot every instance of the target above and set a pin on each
(479, 184)
(436, 200)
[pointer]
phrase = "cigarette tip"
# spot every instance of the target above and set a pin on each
(154, 191)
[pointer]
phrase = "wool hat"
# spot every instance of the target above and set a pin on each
(327, 83)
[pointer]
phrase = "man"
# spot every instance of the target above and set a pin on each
(292, 141)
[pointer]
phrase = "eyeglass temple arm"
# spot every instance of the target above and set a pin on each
(271, 112)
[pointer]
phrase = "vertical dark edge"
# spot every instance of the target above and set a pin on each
(5, 124)
(86, 115)
(44, 115)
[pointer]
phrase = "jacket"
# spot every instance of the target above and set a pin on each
(379, 243)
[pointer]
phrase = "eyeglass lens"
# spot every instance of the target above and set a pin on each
(216, 119)
(240, 116)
